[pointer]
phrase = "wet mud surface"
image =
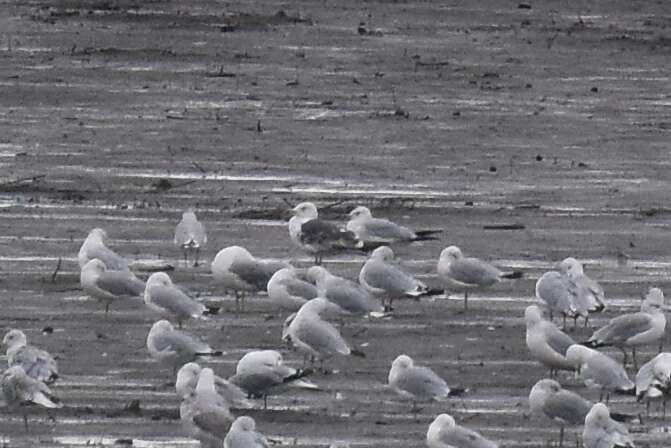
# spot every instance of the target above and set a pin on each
(529, 132)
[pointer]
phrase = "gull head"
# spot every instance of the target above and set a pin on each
(98, 234)
(316, 273)
(402, 362)
(185, 379)
(578, 354)
(243, 423)
(532, 315)
(189, 215)
(161, 326)
(14, 338)
(159, 278)
(451, 253)
(570, 266)
(654, 299)
(95, 265)
(382, 253)
(306, 210)
(360, 212)
(598, 415)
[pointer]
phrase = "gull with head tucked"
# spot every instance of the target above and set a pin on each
(468, 273)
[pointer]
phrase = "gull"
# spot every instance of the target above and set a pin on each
(260, 372)
(243, 435)
(314, 337)
(588, 294)
(18, 389)
(599, 370)
(557, 292)
(546, 343)
(318, 237)
(468, 273)
(174, 347)
(563, 407)
(384, 278)
(653, 380)
(445, 433)
(601, 431)
(163, 296)
(205, 414)
(415, 382)
(95, 247)
(349, 296)
(630, 330)
(187, 379)
(236, 269)
(108, 285)
(290, 291)
(378, 230)
(190, 235)
(36, 363)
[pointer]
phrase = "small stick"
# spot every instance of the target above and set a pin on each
(58, 268)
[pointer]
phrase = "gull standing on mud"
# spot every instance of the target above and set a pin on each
(350, 296)
(108, 285)
(187, 380)
(190, 235)
(318, 237)
(36, 363)
(468, 273)
(383, 278)
(237, 270)
(561, 406)
(588, 295)
(174, 347)
(415, 382)
(630, 330)
(290, 291)
(378, 230)
(445, 433)
(243, 435)
(601, 431)
(205, 414)
(94, 246)
(163, 296)
(547, 344)
(260, 372)
(653, 380)
(557, 292)
(598, 370)
(314, 337)
(18, 389)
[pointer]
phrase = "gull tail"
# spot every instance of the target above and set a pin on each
(427, 235)
(425, 291)
(457, 391)
(47, 402)
(623, 418)
(512, 275)
(592, 344)
(357, 353)
(631, 391)
(300, 373)
(216, 353)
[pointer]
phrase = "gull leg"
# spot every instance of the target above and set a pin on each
(466, 300)
(624, 352)
(561, 436)
(195, 263)
(633, 355)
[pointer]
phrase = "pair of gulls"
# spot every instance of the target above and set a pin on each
(566, 408)
(549, 345)
(570, 292)
(30, 371)
(205, 411)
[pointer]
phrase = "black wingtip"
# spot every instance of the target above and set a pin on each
(300, 373)
(428, 234)
(513, 275)
(434, 292)
(357, 353)
(591, 344)
(457, 391)
(622, 418)
(216, 353)
(631, 392)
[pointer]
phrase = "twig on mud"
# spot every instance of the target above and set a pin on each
(286, 201)
(58, 268)
(334, 204)
(21, 180)
(198, 167)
